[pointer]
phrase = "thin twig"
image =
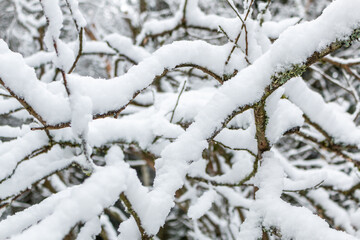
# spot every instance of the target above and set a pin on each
(81, 33)
(238, 36)
(177, 101)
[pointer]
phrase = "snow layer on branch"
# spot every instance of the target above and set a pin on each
(136, 193)
(108, 228)
(125, 46)
(75, 12)
(129, 230)
(344, 61)
(331, 209)
(294, 46)
(312, 181)
(55, 20)
(239, 139)
(141, 128)
(112, 94)
(338, 124)
(282, 114)
(327, 176)
(9, 105)
(81, 108)
(254, 41)
(97, 47)
(40, 58)
(154, 26)
(89, 47)
(12, 152)
(106, 95)
(246, 88)
(274, 29)
(61, 211)
(190, 104)
(64, 55)
(202, 205)
(90, 229)
(195, 17)
(29, 172)
(241, 167)
(10, 132)
(271, 211)
(235, 199)
(22, 80)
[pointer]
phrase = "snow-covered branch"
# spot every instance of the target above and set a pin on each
(249, 131)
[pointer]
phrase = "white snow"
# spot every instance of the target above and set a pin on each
(179, 152)
(282, 116)
(79, 203)
(270, 211)
(202, 205)
(246, 88)
(337, 123)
